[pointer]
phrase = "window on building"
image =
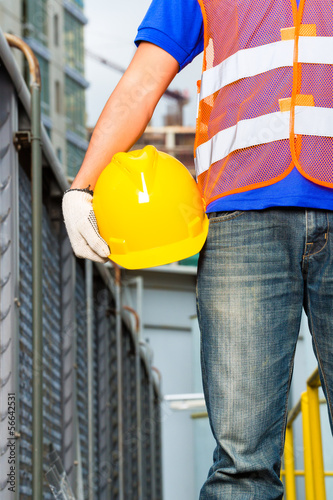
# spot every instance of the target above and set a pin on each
(34, 19)
(45, 85)
(75, 157)
(56, 30)
(75, 107)
(57, 97)
(74, 43)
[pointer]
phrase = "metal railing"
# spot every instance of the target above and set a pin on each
(314, 475)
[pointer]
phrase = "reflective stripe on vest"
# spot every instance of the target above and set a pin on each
(266, 94)
(251, 62)
(262, 130)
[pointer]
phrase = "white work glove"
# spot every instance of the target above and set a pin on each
(81, 225)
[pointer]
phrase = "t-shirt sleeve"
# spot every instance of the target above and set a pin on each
(176, 26)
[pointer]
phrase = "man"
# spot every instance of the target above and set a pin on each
(264, 166)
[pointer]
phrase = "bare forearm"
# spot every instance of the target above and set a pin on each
(128, 110)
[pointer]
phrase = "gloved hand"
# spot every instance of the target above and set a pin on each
(81, 225)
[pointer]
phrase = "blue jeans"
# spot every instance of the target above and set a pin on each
(256, 271)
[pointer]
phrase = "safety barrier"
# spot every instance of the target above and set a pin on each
(314, 474)
(100, 395)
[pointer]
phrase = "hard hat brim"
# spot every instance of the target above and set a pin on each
(167, 254)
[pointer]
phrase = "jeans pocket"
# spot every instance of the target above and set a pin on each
(215, 217)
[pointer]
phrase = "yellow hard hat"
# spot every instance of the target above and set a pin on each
(149, 209)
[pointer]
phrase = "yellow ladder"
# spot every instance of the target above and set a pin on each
(313, 473)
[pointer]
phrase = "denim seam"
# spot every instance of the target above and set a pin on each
(204, 375)
(306, 232)
(318, 354)
(226, 218)
(322, 248)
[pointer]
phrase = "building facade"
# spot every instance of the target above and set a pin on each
(55, 31)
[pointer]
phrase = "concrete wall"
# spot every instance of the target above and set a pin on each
(57, 63)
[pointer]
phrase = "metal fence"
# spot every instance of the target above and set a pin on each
(101, 398)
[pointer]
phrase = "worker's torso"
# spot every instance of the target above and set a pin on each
(266, 94)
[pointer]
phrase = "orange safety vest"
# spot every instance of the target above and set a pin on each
(266, 94)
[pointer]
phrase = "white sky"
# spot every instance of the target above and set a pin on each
(110, 33)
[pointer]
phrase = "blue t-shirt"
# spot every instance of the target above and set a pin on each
(177, 27)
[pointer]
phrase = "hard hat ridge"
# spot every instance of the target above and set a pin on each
(140, 167)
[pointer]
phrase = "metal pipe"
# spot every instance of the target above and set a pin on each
(139, 415)
(308, 465)
(158, 429)
(294, 412)
(138, 280)
(69, 361)
(90, 351)
(16, 42)
(106, 336)
(138, 396)
(159, 376)
(289, 464)
(147, 357)
(37, 332)
(37, 300)
(314, 380)
(316, 442)
(153, 423)
(136, 316)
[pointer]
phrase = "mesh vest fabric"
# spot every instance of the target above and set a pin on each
(269, 69)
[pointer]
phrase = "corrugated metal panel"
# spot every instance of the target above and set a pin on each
(108, 475)
(82, 372)
(129, 417)
(146, 434)
(51, 384)
(65, 398)
(69, 406)
(158, 446)
(102, 406)
(25, 339)
(52, 341)
(113, 405)
(96, 388)
(8, 277)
